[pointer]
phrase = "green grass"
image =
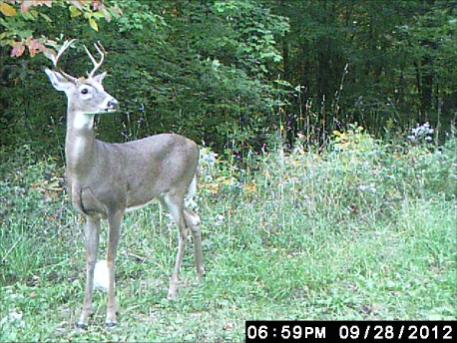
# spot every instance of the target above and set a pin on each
(363, 230)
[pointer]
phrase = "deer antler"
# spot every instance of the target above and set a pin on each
(54, 57)
(96, 64)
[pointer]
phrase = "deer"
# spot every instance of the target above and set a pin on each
(106, 180)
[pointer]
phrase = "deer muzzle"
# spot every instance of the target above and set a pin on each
(112, 105)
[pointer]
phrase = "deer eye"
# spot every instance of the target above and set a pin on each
(84, 91)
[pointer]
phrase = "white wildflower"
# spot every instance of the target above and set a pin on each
(367, 188)
(421, 133)
(219, 220)
(14, 317)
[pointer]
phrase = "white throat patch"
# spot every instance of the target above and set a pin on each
(83, 121)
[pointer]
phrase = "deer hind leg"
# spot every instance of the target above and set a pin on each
(193, 222)
(174, 203)
(92, 231)
(114, 220)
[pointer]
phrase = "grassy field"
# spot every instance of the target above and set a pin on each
(362, 230)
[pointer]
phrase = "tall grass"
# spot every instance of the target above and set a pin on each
(364, 229)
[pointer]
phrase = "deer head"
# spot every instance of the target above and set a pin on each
(86, 95)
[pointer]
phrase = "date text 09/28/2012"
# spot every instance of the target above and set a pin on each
(350, 331)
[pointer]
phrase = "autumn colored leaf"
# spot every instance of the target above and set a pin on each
(27, 4)
(18, 49)
(35, 47)
(7, 10)
(97, 5)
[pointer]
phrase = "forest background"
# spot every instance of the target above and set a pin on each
(231, 73)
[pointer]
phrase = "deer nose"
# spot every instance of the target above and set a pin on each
(113, 104)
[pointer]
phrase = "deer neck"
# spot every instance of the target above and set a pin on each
(80, 144)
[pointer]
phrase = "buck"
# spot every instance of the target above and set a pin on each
(107, 180)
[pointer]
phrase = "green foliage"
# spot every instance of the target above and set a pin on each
(360, 176)
(231, 73)
(28, 197)
(362, 230)
(192, 73)
(251, 32)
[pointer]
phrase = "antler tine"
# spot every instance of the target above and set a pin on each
(68, 76)
(62, 49)
(99, 47)
(96, 64)
(54, 57)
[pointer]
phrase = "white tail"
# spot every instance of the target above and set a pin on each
(101, 275)
(105, 180)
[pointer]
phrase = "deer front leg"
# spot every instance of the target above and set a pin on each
(92, 230)
(114, 220)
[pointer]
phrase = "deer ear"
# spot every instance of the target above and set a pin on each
(60, 82)
(99, 78)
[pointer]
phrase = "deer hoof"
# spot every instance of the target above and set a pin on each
(172, 296)
(201, 273)
(110, 325)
